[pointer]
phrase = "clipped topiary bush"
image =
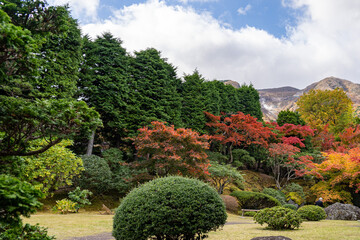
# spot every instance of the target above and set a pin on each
(276, 194)
(254, 200)
(231, 203)
(250, 214)
(290, 206)
(169, 208)
(278, 218)
(312, 213)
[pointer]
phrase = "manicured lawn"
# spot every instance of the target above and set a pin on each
(84, 224)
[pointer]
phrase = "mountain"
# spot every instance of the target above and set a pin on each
(274, 100)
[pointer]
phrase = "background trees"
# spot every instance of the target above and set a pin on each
(320, 108)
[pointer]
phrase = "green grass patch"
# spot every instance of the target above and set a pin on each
(91, 223)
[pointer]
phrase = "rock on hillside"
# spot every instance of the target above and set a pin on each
(275, 100)
(232, 83)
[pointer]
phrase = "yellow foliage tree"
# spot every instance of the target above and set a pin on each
(339, 176)
(326, 107)
(53, 168)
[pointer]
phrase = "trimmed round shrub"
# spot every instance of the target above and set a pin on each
(169, 208)
(278, 218)
(276, 194)
(254, 200)
(231, 203)
(312, 213)
(290, 206)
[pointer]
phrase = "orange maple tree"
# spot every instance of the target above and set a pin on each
(165, 150)
(339, 176)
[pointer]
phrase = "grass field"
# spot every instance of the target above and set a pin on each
(84, 224)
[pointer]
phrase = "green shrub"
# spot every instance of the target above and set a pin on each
(65, 206)
(295, 197)
(280, 196)
(278, 218)
(80, 197)
(312, 213)
(96, 176)
(249, 214)
(294, 187)
(169, 208)
(26, 232)
(290, 206)
(19, 198)
(253, 200)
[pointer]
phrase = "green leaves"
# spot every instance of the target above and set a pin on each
(278, 218)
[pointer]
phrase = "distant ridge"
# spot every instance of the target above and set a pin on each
(274, 100)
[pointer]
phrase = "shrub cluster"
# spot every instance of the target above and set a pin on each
(291, 206)
(169, 208)
(253, 200)
(278, 218)
(280, 196)
(312, 213)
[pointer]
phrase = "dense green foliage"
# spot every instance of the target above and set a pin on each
(169, 208)
(254, 200)
(278, 218)
(287, 116)
(280, 196)
(291, 206)
(18, 198)
(312, 213)
(80, 197)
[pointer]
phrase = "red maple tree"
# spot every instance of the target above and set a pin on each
(165, 150)
(238, 130)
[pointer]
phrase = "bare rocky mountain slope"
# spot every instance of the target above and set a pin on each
(276, 99)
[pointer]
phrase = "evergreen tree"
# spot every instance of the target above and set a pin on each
(249, 101)
(103, 83)
(193, 102)
(154, 91)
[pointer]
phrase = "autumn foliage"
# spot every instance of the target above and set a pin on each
(339, 175)
(238, 130)
(165, 150)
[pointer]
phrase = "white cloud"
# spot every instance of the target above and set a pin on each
(244, 10)
(202, 1)
(324, 43)
(79, 8)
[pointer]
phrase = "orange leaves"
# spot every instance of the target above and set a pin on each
(340, 173)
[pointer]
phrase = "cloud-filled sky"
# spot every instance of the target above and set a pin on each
(269, 43)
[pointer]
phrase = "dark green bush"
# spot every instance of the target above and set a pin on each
(280, 196)
(312, 213)
(96, 176)
(291, 206)
(254, 200)
(278, 218)
(169, 208)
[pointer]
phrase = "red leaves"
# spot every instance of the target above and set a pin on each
(172, 151)
(239, 129)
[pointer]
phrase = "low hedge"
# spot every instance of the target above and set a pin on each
(278, 218)
(255, 200)
(312, 213)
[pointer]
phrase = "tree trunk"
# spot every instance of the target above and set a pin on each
(90, 144)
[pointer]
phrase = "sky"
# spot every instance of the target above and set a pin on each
(266, 43)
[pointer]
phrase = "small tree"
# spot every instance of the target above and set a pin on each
(166, 150)
(222, 175)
